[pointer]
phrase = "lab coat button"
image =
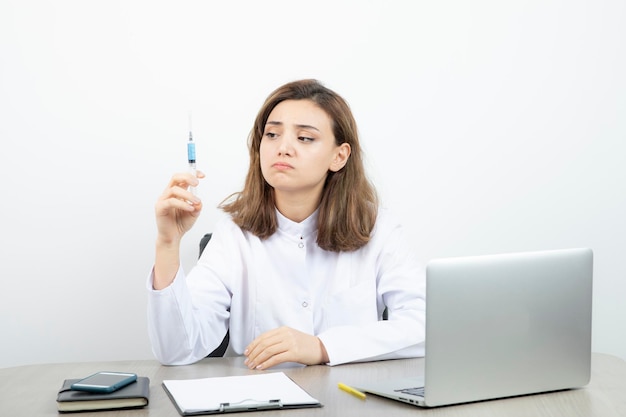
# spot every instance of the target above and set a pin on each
(300, 245)
(305, 304)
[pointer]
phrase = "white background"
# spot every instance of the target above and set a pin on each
(489, 126)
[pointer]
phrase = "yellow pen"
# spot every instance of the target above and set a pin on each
(352, 391)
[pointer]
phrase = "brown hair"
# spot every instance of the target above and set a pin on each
(349, 203)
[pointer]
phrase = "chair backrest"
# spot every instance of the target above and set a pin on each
(221, 349)
(205, 239)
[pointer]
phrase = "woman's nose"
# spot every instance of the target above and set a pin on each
(285, 146)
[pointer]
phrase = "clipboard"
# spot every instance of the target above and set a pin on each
(234, 394)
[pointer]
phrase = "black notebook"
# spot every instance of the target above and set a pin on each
(134, 395)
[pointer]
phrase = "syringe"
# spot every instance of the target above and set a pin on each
(191, 156)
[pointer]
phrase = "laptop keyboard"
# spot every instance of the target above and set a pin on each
(418, 391)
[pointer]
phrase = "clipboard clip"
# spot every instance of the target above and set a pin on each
(250, 405)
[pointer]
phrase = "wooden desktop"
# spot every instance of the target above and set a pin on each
(31, 390)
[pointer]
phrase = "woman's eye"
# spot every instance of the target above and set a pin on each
(305, 139)
(270, 135)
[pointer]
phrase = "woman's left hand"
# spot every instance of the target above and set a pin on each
(284, 344)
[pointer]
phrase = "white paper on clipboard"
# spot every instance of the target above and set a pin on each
(237, 393)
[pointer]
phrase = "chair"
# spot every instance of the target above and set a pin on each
(221, 349)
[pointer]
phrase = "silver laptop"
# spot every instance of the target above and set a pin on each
(502, 325)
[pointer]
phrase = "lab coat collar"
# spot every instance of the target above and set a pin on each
(305, 228)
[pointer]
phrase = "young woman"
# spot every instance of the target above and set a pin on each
(304, 262)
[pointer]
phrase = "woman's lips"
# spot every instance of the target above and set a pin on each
(282, 166)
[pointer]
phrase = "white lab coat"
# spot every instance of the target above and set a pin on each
(251, 286)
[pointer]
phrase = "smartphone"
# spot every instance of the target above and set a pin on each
(104, 382)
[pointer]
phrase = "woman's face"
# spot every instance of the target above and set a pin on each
(298, 148)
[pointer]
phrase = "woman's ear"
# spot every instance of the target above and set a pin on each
(342, 153)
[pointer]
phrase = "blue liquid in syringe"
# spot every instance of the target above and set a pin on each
(191, 150)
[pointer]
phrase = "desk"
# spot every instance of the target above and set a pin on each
(31, 390)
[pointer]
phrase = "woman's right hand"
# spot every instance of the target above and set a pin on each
(177, 209)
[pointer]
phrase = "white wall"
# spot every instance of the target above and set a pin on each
(489, 126)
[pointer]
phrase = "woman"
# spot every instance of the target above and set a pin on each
(303, 264)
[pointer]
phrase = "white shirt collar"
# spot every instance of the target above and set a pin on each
(305, 228)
